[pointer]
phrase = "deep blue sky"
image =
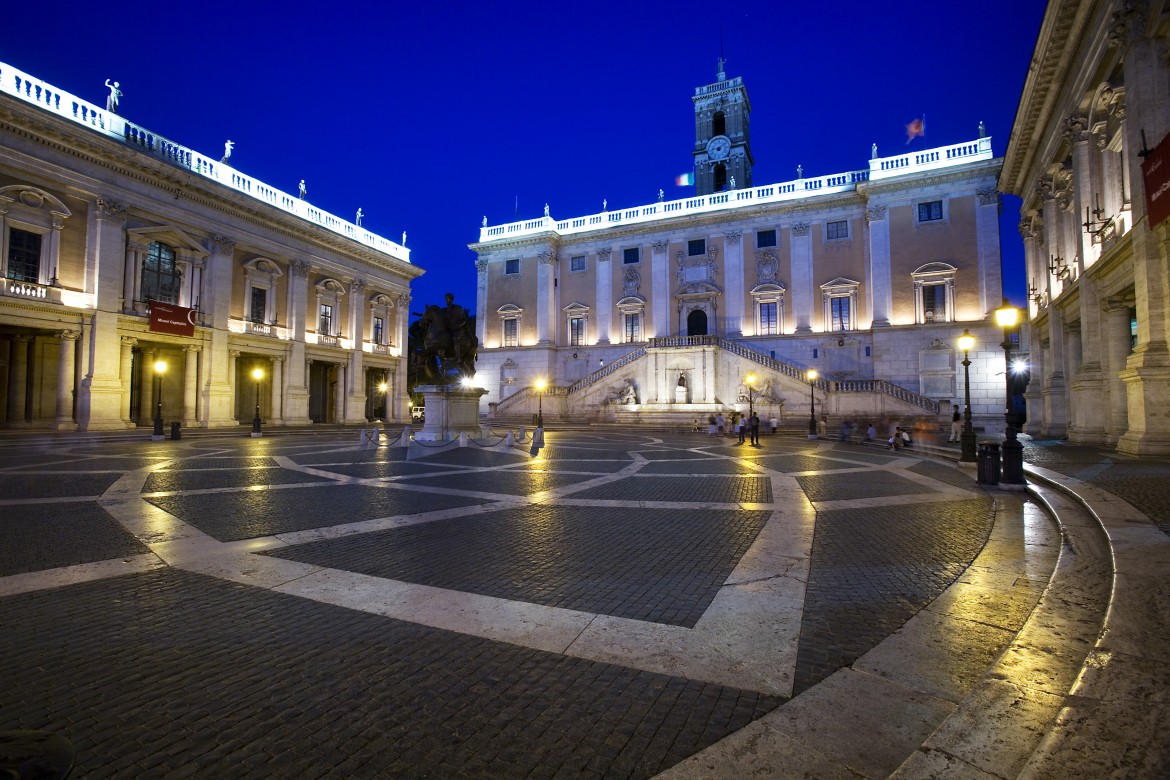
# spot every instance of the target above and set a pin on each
(431, 115)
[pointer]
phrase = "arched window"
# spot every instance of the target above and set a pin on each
(160, 276)
(720, 177)
(718, 124)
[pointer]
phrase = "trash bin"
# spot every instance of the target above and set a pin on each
(175, 432)
(535, 422)
(988, 472)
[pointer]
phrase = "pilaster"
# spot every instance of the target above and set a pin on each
(802, 277)
(733, 274)
(545, 298)
(66, 376)
(660, 292)
(880, 289)
(987, 246)
(604, 314)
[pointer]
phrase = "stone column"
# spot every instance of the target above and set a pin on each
(216, 406)
(545, 298)
(190, 386)
(296, 399)
(135, 250)
(99, 389)
(233, 358)
(880, 292)
(802, 278)
(604, 314)
(659, 325)
(481, 299)
(1055, 417)
(18, 381)
(277, 414)
(1115, 352)
(339, 393)
(126, 373)
(987, 246)
(733, 274)
(66, 375)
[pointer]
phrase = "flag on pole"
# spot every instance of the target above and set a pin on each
(915, 129)
(685, 179)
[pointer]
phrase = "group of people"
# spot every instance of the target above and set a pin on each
(747, 428)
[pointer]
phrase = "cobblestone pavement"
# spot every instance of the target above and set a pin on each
(298, 606)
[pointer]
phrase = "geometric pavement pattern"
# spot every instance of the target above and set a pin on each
(169, 672)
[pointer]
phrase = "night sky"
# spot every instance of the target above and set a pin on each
(433, 115)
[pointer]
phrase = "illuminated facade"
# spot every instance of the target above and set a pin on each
(868, 276)
(122, 250)
(1098, 91)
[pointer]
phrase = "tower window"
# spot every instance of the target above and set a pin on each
(24, 256)
(697, 247)
(720, 178)
(577, 263)
(511, 267)
(719, 124)
(838, 229)
(630, 255)
(765, 238)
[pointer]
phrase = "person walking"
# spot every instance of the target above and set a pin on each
(754, 429)
(870, 433)
(719, 422)
(956, 424)
(739, 427)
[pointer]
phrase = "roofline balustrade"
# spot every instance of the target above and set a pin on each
(797, 189)
(24, 87)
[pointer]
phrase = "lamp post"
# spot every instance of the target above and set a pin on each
(540, 403)
(1006, 317)
(160, 368)
(812, 394)
(967, 439)
(257, 374)
(750, 380)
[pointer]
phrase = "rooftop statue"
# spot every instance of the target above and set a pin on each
(113, 98)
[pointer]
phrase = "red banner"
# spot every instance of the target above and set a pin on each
(169, 318)
(1156, 175)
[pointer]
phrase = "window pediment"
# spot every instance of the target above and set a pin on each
(576, 307)
(840, 282)
(263, 266)
(34, 198)
(330, 286)
(183, 242)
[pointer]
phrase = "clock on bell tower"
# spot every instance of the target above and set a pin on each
(723, 153)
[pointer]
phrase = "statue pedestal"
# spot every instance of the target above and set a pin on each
(680, 394)
(451, 410)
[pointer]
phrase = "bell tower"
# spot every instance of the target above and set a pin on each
(723, 152)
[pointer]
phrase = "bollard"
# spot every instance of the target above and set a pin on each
(510, 441)
(377, 436)
(463, 439)
(362, 440)
(176, 431)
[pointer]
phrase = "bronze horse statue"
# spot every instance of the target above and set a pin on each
(449, 345)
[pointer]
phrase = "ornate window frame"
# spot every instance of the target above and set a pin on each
(632, 306)
(329, 293)
(764, 294)
(34, 211)
(510, 312)
(190, 258)
(262, 273)
(577, 311)
(931, 275)
(381, 306)
(839, 288)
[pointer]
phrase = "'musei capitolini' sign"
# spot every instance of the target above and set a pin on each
(169, 318)
(1156, 176)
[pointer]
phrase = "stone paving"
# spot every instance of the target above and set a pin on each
(617, 606)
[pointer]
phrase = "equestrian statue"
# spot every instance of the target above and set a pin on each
(449, 346)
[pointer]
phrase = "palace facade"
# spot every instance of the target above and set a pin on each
(868, 276)
(140, 276)
(1090, 157)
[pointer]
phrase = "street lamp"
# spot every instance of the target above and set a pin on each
(382, 388)
(1006, 317)
(257, 374)
(812, 394)
(160, 368)
(967, 440)
(750, 379)
(540, 385)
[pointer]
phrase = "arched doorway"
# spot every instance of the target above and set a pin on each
(697, 323)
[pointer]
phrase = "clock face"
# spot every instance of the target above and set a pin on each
(718, 147)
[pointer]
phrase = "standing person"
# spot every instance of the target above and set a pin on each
(870, 433)
(846, 431)
(754, 428)
(773, 423)
(956, 426)
(710, 425)
(739, 426)
(719, 423)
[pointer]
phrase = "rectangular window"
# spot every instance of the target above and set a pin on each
(769, 322)
(697, 247)
(511, 339)
(633, 328)
(24, 256)
(577, 263)
(840, 313)
(259, 304)
(934, 302)
(577, 332)
(765, 239)
(511, 267)
(837, 229)
(379, 332)
(929, 212)
(325, 321)
(630, 255)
